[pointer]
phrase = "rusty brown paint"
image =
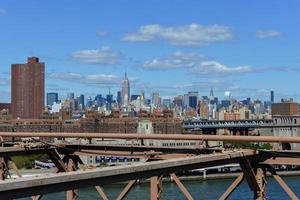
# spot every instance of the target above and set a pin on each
(135, 136)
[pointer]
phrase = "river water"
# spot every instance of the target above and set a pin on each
(209, 189)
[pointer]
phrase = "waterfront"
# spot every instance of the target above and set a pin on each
(209, 190)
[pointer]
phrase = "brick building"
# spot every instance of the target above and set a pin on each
(285, 108)
(28, 89)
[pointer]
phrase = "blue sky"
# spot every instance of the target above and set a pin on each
(171, 46)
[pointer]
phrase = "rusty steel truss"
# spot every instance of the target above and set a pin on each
(72, 174)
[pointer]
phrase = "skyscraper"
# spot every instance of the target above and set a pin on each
(109, 100)
(272, 96)
(211, 106)
(119, 98)
(156, 100)
(125, 91)
(52, 98)
(80, 101)
(211, 94)
(28, 89)
(193, 99)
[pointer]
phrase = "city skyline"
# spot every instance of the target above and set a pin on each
(89, 53)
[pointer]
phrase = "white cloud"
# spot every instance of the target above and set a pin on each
(195, 63)
(216, 84)
(104, 55)
(66, 76)
(175, 61)
(2, 11)
(100, 79)
(218, 69)
(262, 34)
(188, 35)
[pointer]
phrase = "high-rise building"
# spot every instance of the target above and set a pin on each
(143, 96)
(134, 97)
(211, 94)
(89, 102)
(185, 100)
(52, 98)
(119, 97)
(272, 96)
(227, 95)
(28, 89)
(203, 109)
(109, 100)
(125, 91)
(178, 101)
(193, 99)
(156, 100)
(80, 102)
(212, 106)
(285, 109)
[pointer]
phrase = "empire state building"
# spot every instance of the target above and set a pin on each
(125, 91)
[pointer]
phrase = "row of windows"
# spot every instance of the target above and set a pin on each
(179, 144)
(286, 121)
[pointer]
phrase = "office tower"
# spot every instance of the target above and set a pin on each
(134, 97)
(212, 105)
(52, 98)
(156, 100)
(80, 102)
(211, 94)
(185, 100)
(99, 100)
(143, 96)
(89, 102)
(272, 96)
(193, 99)
(178, 101)
(203, 109)
(109, 100)
(125, 91)
(225, 103)
(28, 89)
(227, 95)
(119, 98)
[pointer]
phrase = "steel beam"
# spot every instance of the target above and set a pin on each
(139, 148)
(156, 188)
(249, 174)
(72, 180)
(71, 194)
(183, 189)
(261, 181)
(232, 187)
(101, 193)
(282, 161)
(38, 197)
(126, 190)
(55, 158)
(22, 150)
(135, 136)
(281, 182)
